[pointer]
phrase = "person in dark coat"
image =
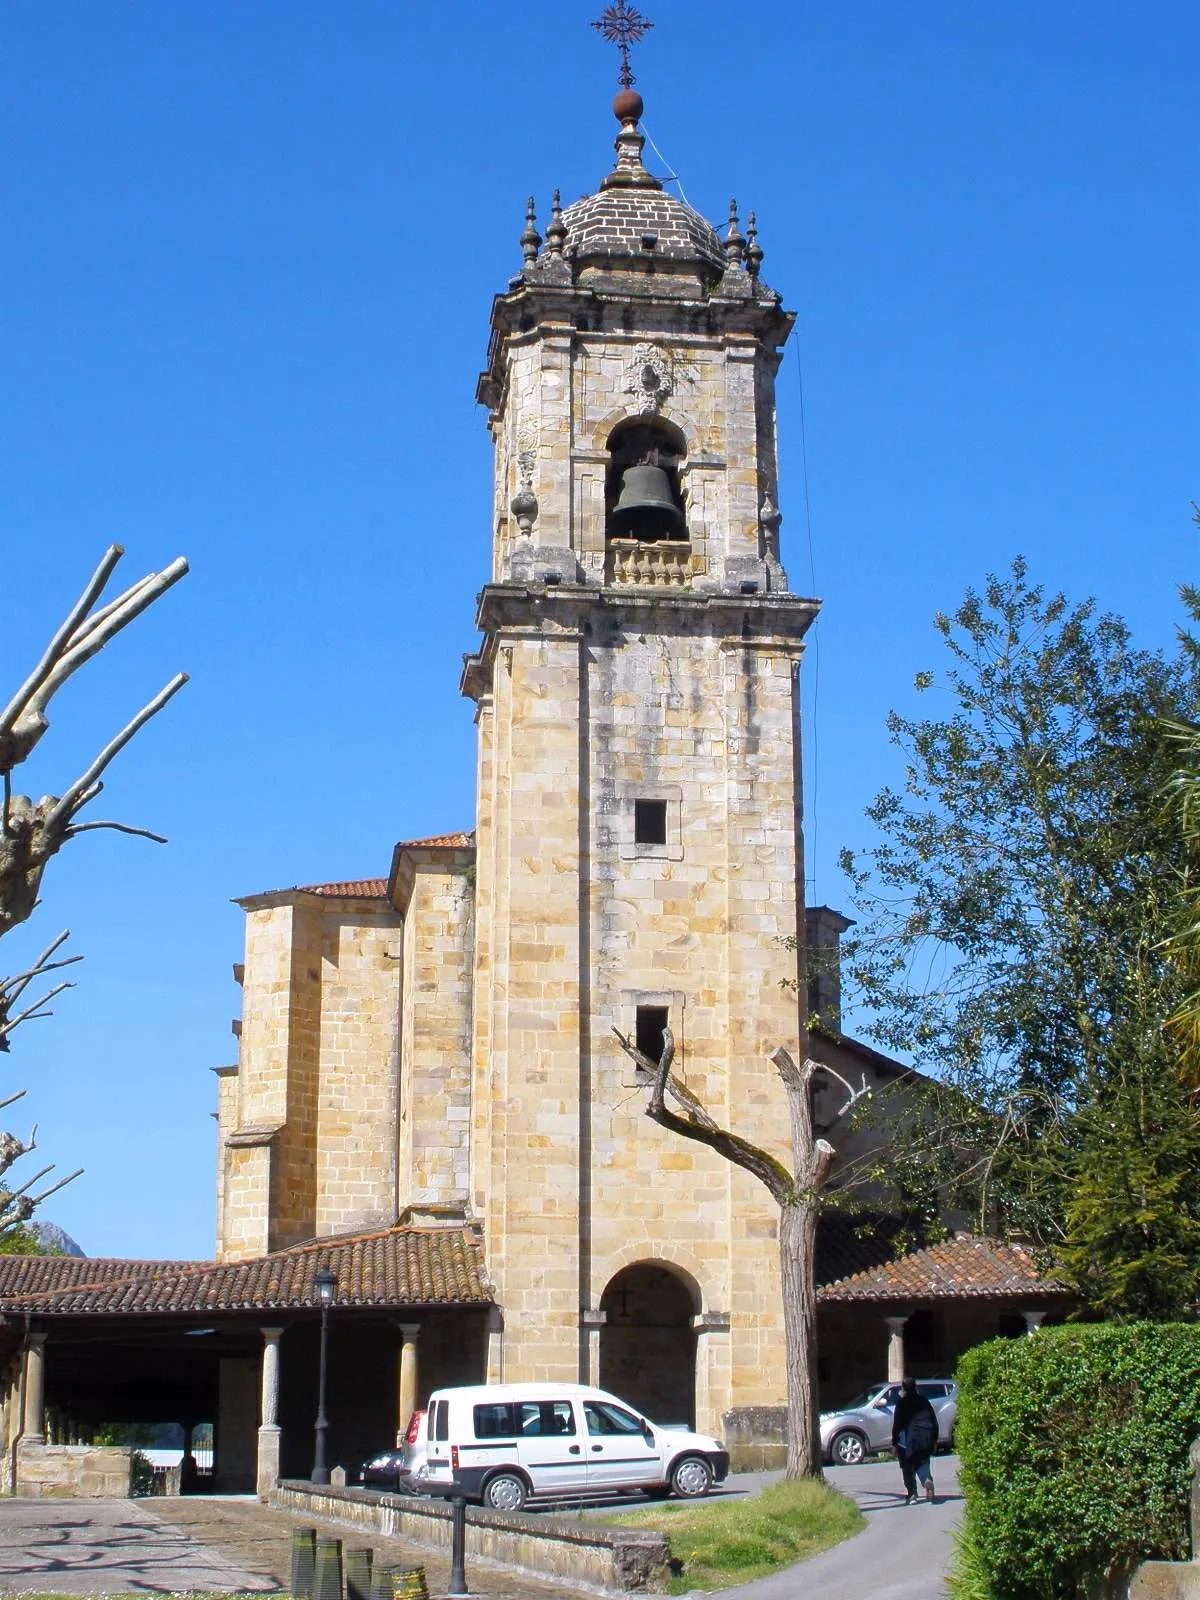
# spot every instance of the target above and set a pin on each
(914, 1436)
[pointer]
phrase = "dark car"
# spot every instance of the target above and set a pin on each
(401, 1469)
(384, 1471)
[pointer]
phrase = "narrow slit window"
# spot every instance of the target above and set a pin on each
(651, 1025)
(649, 822)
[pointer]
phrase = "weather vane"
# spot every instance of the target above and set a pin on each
(623, 26)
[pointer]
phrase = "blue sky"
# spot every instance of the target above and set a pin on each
(247, 261)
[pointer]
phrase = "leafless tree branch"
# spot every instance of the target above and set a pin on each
(23, 721)
(699, 1125)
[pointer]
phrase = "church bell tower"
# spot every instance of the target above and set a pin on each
(639, 858)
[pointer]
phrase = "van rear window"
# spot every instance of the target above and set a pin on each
(440, 1428)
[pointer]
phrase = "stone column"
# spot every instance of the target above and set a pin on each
(592, 1322)
(34, 1430)
(1033, 1320)
(406, 1404)
(895, 1362)
(269, 1432)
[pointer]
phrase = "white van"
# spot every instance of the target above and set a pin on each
(503, 1444)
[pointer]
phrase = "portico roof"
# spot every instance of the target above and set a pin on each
(394, 1267)
(968, 1267)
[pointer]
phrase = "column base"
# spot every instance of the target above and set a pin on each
(267, 1474)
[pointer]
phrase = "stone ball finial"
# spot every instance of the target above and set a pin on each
(556, 233)
(628, 106)
(525, 509)
(754, 251)
(531, 239)
(735, 245)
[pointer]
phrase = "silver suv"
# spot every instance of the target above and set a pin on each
(864, 1427)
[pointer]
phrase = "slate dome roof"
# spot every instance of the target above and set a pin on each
(614, 221)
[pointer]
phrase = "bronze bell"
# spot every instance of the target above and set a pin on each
(646, 508)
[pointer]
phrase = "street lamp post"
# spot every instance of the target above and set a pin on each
(326, 1282)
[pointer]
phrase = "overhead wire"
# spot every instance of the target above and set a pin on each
(815, 765)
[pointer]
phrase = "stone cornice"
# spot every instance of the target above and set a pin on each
(774, 622)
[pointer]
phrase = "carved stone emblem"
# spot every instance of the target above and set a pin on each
(649, 376)
(527, 442)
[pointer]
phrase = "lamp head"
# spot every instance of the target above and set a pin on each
(326, 1282)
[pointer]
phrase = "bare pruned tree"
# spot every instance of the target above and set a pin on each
(798, 1196)
(31, 832)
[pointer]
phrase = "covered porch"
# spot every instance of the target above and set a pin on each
(88, 1345)
(917, 1314)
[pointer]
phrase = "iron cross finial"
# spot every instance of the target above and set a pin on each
(623, 26)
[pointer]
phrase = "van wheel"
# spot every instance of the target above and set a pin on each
(505, 1492)
(691, 1477)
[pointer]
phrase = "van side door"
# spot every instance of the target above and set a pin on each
(622, 1452)
(550, 1447)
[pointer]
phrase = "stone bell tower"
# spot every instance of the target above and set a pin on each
(639, 850)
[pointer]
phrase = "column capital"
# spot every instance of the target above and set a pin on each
(36, 1337)
(410, 1330)
(272, 1335)
(896, 1324)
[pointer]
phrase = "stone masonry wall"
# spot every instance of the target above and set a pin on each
(586, 705)
(74, 1472)
(435, 1070)
(566, 394)
(307, 1122)
(356, 1151)
(584, 925)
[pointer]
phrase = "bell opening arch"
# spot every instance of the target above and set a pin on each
(643, 499)
(648, 1342)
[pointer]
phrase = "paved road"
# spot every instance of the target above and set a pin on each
(904, 1552)
(107, 1546)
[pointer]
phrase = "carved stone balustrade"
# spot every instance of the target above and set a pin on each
(667, 565)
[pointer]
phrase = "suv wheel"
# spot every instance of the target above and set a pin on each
(847, 1449)
(505, 1492)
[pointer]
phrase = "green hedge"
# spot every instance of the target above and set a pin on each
(1074, 1451)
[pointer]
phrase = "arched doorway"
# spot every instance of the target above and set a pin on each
(647, 1343)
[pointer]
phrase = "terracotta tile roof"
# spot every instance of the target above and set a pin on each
(395, 1267)
(967, 1267)
(440, 841)
(349, 889)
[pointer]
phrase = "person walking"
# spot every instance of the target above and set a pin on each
(914, 1435)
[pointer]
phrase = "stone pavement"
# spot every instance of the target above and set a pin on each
(195, 1544)
(104, 1546)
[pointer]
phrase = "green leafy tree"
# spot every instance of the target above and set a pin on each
(1011, 924)
(20, 1240)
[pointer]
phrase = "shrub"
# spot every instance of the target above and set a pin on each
(142, 1475)
(1074, 1447)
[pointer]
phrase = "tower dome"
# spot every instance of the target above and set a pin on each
(640, 227)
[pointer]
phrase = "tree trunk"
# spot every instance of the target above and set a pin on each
(797, 1244)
